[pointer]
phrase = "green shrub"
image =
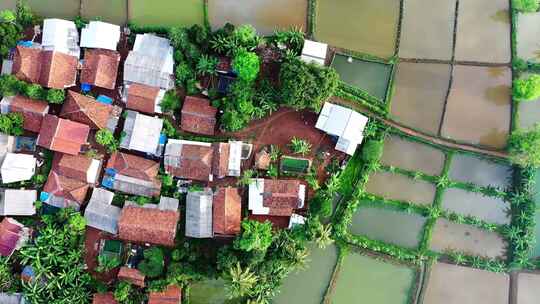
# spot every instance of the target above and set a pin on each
(106, 138)
(56, 96)
(107, 263)
(526, 6)
(527, 89)
(255, 236)
(35, 91)
(170, 102)
(207, 65)
(154, 262)
(524, 147)
(10, 32)
(372, 151)
(300, 146)
(247, 65)
(11, 123)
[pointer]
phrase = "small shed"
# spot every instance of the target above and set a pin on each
(17, 167)
(18, 202)
(142, 133)
(132, 276)
(101, 35)
(199, 214)
(314, 52)
(100, 214)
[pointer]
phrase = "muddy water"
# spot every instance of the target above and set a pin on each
(67, 9)
(362, 277)
(166, 12)
(528, 36)
(431, 35)
(478, 108)
(371, 77)
(400, 187)
(448, 235)
(451, 284)
(309, 286)
(386, 225)
(420, 94)
(8, 4)
(360, 25)
(113, 11)
(527, 288)
(266, 16)
(471, 169)
(209, 292)
(412, 156)
(490, 209)
(483, 31)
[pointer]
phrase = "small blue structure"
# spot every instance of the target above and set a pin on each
(44, 196)
(162, 139)
(25, 43)
(85, 87)
(104, 99)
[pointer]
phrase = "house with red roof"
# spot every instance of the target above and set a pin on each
(227, 211)
(276, 197)
(62, 135)
(13, 235)
(80, 167)
(88, 111)
(171, 295)
(61, 191)
(131, 275)
(189, 159)
(32, 110)
(104, 298)
(100, 68)
(132, 174)
(198, 116)
(143, 98)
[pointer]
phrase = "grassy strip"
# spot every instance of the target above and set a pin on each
(361, 93)
(390, 88)
(342, 93)
(141, 29)
(312, 18)
(206, 20)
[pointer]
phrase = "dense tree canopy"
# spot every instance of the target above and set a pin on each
(526, 89)
(524, 147)
(247, 65)
(526, 6)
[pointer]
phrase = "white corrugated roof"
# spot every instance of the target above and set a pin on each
(146, 133)
(100, 35)
(17, 167)
(60, 35)
(315, 49)
(255, 202)
(16, 202)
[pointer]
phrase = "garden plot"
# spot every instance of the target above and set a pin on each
(528, 36)
(309, 285)
(393, 227)
(167, 12)
(401, 187)
(471, 169)
(350, 24)
(420, 95)
(363, 277)
(452, 284)
(483, 31)
(209, 292)
(412, 156)
(527, 288)
(266, 16)
(67, 9)
(489, 209)
(478, 109)
(114, 11)
(372, 77)
(450, 236)
(427, 29)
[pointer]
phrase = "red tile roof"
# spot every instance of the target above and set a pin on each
(195, 163)
(131, 275)
(104, 298)
(32, 111)
(72, 166)
(227, 211)
(100, 68)
(26, 64)
(134, 166)
(171, 295)
(142, 98)
(10, 231)
(262, 160)
(68, 188)
(281, 193)
(198, 116)
(148, 225)
(62, 135)
(86, 110)
(220, 163)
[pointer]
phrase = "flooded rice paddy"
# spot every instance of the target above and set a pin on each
(372, 77)
(431, 35)
(412, 156)
(114, 11)
(478, 109)
(528, 111)
(448, 236)
(372, 281)
(350, 24)
(309, 286)
(394, 227)
(489, 209)
(483, 31)
(209, 292)
(266, 16)
(528, 36)
(527, 288)
(401, 187)
(470, 169)
(452, 284)
(420, 95)
(67, 9)
(166, 12)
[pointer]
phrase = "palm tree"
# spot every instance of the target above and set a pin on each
(239, 281)
(300, 146)
(323, 237)
(245, 179)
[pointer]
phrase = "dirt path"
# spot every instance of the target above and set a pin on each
(435, 140)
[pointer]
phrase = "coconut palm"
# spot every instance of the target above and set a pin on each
(300, 146)
(239, 282)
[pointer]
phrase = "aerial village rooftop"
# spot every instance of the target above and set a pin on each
(257, 151)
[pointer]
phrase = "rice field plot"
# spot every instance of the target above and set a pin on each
(209, 292)
(483, 31)
(528, 36)
(399, 187)
(371, 77)
(66, 9)
(492, 210)
(349, 24)
(420, 95)
(471, 240)
(427, 29)
(266, 16)
(413, 156)
(389, 226)
(527, 288)
(528, 111)
(8, 4)
(478, 108)
(361, 279)
(308, 286)
(452, 284)
(166, 12)
(471, 169)
(114, 11)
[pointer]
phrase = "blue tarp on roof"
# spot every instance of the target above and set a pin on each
(25, 43)
(162, 139)
(108, 182)
(85, 87)
(110, 171)
(44, 196)
(104, 99)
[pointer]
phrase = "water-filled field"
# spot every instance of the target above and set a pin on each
(470, 169)
(166, 12)
(400, 187)
(114, 11)
(489, 209)
(68, 9)
(528, 36)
